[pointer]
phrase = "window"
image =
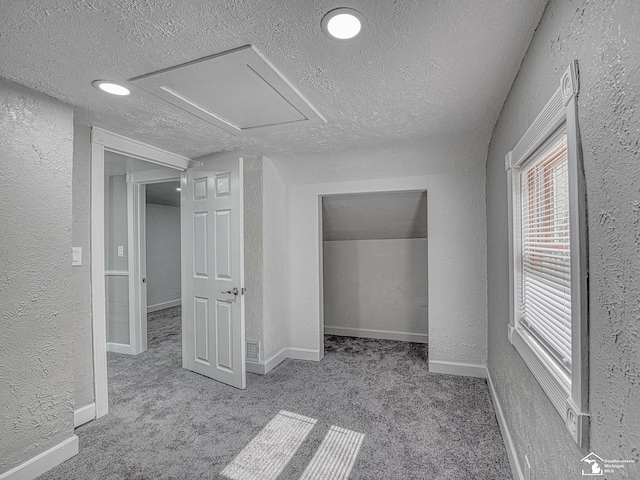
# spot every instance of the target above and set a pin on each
(548, 288)
(545, 294)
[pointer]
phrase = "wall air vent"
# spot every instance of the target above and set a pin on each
(238, 91)
(253, 350)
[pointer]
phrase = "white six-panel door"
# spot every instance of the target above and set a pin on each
(213, 272)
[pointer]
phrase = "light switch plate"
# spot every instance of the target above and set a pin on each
(121, 250)
(76, 256)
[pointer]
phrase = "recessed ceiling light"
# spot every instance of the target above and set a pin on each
(111, 87)
(178, 189)
(342, 23)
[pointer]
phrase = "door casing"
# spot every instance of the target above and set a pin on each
(102, 140)
(136, 216)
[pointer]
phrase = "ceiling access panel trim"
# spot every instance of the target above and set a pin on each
(238, 91)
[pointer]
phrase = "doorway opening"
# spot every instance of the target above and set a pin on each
(212, 259)
(142, 252)
(374, 266)
(163, 263)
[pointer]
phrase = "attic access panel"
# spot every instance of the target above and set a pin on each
(237, 91)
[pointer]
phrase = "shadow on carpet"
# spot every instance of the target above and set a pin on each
(388, 418)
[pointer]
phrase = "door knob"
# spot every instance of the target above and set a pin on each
(235, 291)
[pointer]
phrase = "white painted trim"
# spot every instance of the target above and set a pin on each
(118, 348)
(162, 305)
(84, 414)
(569, 396)
(264, 367)
(543, 369)
(243, 339)
(137, 264)
(255, 367)
(101, 140)
(98, 297)
(116, 273)
(321, 279)
(134, 148)
(304, 354)
(45, 461)
(275, 360)
(456, 368)
(322, 330)
(509, 445)
(379, 334)
(137, 238)
(154, 176)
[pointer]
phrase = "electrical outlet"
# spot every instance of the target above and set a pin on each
(527, 469)
(121, 250)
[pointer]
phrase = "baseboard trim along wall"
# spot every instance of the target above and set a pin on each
(84, 414)
(516, 470)
(45, 461)
(118, 348)
(303, 354)
(455, 368)
(264, 367)
(162, 305)
(380, 334)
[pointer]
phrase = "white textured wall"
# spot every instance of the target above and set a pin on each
(36, 300)
(253, 249)
(605, 39)
(117, 286)
(275, 261)
(81, 275)
(378, 285)
(163, 254)
(457, 262)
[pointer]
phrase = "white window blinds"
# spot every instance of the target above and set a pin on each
(545, 303)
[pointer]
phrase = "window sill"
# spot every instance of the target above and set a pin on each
(553, 384)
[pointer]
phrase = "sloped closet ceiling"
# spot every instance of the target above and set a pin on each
(417, 92)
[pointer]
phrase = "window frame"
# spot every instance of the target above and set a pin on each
(569, 398)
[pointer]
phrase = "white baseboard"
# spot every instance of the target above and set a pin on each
(379, 334)
(43, 462)
(162, 305)
(274, 360)
(84, 414)
(255, 367)
(455, 368)
(264, 367)
(303, 354)
(118, 348)
(516, 470)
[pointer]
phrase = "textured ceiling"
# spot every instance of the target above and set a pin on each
(417, 92)
(373, 216)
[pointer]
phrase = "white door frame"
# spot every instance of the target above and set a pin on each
(102, 140)
(319, 198)
(137, 237)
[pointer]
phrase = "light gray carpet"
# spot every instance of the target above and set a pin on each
(169, 423)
